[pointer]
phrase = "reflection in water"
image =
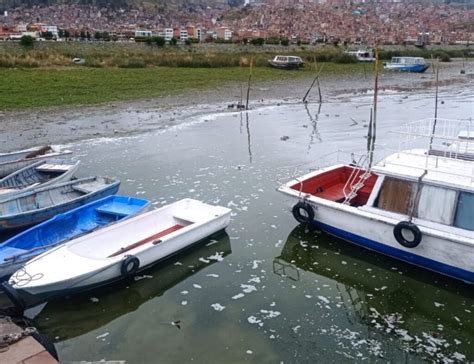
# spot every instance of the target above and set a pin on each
(314, 123)
(248, 135)
(425, 314)
(78, 315)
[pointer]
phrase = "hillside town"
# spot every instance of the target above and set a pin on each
(306, 21)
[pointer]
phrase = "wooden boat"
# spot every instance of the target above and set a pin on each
(286, 62)
(42, 173)
(13, 161)
(32, 207)
(115, 252)
(63, 227)
(407, 64)
(416, 205)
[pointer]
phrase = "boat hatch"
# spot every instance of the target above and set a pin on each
(116, 209)
(333, 185)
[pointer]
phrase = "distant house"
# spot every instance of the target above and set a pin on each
(142, 33)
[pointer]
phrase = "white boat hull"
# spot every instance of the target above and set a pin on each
(438, 251)
(74, 272)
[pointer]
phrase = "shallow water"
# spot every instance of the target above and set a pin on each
(267, 290)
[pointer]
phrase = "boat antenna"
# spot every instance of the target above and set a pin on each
(373, 121)
(436, 106)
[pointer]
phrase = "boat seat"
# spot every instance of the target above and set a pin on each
(8, 252)
(120, 210)
(85, 187)
(154, 238)
(53, 167)
(334, 193)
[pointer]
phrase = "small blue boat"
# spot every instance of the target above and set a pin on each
(63, 227)
(30, 208)
(407, 64)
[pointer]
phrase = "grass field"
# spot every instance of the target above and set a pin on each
(46, 87)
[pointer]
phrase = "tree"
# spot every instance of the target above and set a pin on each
(173, 41)
(257, 41)
(67, 34)
(27, 41)
(83, 35)
(61, 33)
(160, 41)
(97, 35)
(285, 42)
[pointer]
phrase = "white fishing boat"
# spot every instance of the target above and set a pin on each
(42, 173)
(115, 252)
(416, 204)
(13, 161)
(362, 56)
(286, 62)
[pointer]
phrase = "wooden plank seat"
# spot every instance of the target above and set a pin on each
(46, 167)
(86, 187)
(333, 193)
(154, 238)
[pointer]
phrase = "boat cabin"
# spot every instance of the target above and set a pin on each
(408, 60)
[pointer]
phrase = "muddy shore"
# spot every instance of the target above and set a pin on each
(22, 129)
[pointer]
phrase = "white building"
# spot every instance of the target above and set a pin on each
(142, 33)
(168, 34)
(53, 29)
(183, 35)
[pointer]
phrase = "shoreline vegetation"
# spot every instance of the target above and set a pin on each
(44, 75)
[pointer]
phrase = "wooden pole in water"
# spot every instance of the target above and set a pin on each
(248, 88)
(374, 117)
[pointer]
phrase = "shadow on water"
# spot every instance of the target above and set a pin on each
(77, 315)
(386, 295)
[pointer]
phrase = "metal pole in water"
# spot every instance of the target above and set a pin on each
(248, 88)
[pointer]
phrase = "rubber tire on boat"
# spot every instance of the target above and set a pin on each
(129, 265)
(303, 219)
(407, 225)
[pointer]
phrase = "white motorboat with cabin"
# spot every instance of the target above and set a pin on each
(115, 252)
(407, 64)
(362, 56)
(416, 205)
(286, 62)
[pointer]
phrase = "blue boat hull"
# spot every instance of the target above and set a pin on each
(415, 68)
(63, 227)
(403, 255)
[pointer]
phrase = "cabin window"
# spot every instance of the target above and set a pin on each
(465, 211)
(397, 196)
(436, 204)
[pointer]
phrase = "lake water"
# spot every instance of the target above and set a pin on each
(268, 290)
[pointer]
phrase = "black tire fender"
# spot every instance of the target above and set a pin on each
(407, 225)
(302, 218)
(129, 265)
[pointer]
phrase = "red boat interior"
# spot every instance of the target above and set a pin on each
(330, 185)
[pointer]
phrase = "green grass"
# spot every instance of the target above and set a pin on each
(39, 87)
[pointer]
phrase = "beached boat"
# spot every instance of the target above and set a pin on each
(63, 227)
(42, 173)
(416, 205)
(286, 62)
(32, 207)
(362, 56)
(13, 161)
(115, 252)
(407, 64)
